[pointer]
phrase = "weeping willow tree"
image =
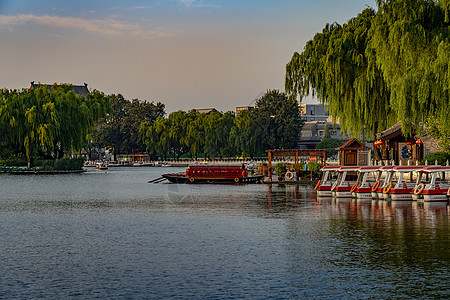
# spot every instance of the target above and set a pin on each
(40, 123)
(411, 40)
(380, 67)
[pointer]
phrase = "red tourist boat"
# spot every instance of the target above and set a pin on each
(214, 174)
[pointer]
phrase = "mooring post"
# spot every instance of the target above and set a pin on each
(269, 157)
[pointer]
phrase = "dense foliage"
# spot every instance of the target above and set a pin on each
(40, 123)
(65, 163)
(274, 123)
(441, 157)
(380, 67)
(278, 121)
(330, 145)
(120, 131)
(280, 169)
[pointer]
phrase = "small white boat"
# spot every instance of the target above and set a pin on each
(346, 179)
(323, 186)
(362, 189)
(384, 176)
(101, 166)
(437, 189)
(404, 188)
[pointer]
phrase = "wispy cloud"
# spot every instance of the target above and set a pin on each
(108, 27)
(140, 7)
(195, 4)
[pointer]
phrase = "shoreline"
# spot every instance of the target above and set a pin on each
(37, 172)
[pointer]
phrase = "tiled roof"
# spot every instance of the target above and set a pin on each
(397, 127)
(204, 110)
(77, 89)
(351, 141)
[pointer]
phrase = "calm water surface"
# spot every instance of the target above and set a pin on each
(113, 235)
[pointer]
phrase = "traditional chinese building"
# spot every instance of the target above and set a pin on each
(205, 110)
(354, 153)
(77, 89)
(392, 144)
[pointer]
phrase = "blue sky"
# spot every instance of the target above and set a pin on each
(184, 53)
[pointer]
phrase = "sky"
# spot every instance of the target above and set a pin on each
(184, 53)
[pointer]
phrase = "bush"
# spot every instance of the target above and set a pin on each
(280, 168)
(441, 158)
(63, 164)
(45, 165)
(13, 161)
(313, 166)
(301, 166)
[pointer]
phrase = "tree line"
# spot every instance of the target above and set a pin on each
(274, 123)
(381, 67)
(47, 124)
(378, 68)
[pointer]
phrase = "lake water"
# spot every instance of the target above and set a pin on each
(113, 235)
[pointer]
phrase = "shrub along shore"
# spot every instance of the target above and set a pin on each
(58, 166)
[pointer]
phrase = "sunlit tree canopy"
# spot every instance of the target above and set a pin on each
(380, 67)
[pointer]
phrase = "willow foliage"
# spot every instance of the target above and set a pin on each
(379, 67)
(44, 123)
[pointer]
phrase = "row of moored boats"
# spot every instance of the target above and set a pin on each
(394, 183)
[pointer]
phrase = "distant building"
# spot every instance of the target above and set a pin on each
(316, 120)
(313, 132)
(312, 112)
(77, 89)
(240, 109)
(204, 110)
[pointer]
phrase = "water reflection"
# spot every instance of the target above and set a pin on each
(407, 240)
(106, 233)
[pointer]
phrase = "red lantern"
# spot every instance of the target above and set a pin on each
(409, 143)
(419, 142)
(378, 143)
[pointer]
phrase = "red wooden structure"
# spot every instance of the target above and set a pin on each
(296, 153)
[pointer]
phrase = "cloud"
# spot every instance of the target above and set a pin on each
(107, 27)
(195, 4)
(188, 3)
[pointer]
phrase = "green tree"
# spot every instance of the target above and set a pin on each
(437, 129)
(277, 118)
(156, 136)
(136, 112)
(195, 132)
(41, 123)
(121, 131)
(330, 145)
(110, 134)
(217, 134)
(177, 133)
(410, 39)
(227, 122)
(337, 67)
(379, 67)
(244, 134)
